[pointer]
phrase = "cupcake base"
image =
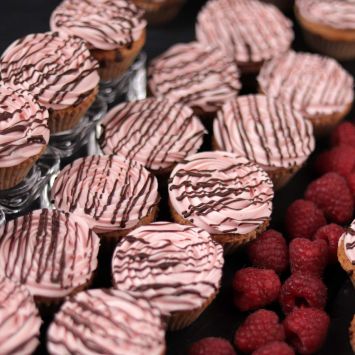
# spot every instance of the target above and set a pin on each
(281, 176)
(352, 334)
(345, 262)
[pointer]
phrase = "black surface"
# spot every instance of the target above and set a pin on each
(20, 17)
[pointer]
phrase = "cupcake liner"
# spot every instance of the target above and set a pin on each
(352, 334)
(63, 120)
(346, 263)
(114, 63)
(281, 176)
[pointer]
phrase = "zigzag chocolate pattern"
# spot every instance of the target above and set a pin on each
(156, 132)
(106, 321)
(177, 267)
(264, 130)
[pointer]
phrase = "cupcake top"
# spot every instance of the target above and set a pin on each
(338, 14)
(264, 130)
(247, 30)
(56, 68)
(51, 252)
(23, 126)
(312, 84)
(348, 238)
(195, 75)
(110, 192)
(221, 193)
(156, 132)
(103, 24)
(19, 319)
(106, 321)
(177, 267)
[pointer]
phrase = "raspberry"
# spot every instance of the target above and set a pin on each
(255, 288)
(339, 159)
(344, 134)
(275, 348)
(303, 219)
(302, 290)
(269, 251)
(331, 233)
(350, 179)
(211, 346)
(260, 328)
(306, 329)
(332, 195)
(308, 256)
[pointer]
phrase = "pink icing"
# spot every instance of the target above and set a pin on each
(313, 84)
(51, 252)
(156, 132)
(221, 193)
(57, 69)
(19, 319)
(247, 30)
(110, 192)
(103, 24)
(349, 243)
(177, 267)
(195, 75)
(264, 130)
(23, 127)
(106, 322)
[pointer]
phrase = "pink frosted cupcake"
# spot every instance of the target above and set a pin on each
(24, 134)
(346, 252)
(59, 72)
(19, 319)
(155, 132)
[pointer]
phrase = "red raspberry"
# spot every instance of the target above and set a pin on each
(260, 328)
(339, 159)
(332, 195)
(350, 179)
(275, 348)
(306, 329)
(211, 346)
(269, 251)
(331, 233)
(302, 290)
(255, 288)
(308, 256)
(303, 219)
(344, 134)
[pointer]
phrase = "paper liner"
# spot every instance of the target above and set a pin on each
(345, 262)
(352, 334)
(63, 120)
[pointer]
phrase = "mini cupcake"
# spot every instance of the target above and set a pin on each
(195, 75)
(248, 31)
(158, 12)
(266, 131)
(113, 194)
(19, 319)
(58, 70)
(283, 5)
(158, 133)
(114, 31)
(224, 194)
(106, 321)
(352, 334)
(318, 87)
(178, 268)
(24, 135)
(328, 26)
(54, 254)
(346, 252)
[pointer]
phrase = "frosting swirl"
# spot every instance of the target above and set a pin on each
(19, 319)
(247, 30)
(156, 132)
(177, 267)
(23, 127)
(110, 192)
(312, 84)
(221, 193)
(348, 238)
(106, 321)
(103, 24)
(199, 77)
(56, 68)
(338, 14)
(51, 252)
(264, 130)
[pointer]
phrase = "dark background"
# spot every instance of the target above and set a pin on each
(20, 17)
